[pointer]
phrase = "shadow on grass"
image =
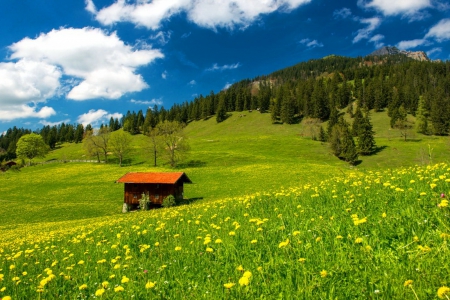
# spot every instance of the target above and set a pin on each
(377, 150)
(191, 164)
(190, 200)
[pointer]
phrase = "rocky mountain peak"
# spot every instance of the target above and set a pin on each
(390, 50)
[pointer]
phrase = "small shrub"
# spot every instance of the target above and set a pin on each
(169, 201)
(144, 201)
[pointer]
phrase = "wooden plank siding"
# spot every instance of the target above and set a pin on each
(157, 192)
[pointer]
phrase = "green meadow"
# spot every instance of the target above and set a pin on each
(273, 215)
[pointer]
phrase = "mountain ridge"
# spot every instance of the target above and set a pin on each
(392, 50)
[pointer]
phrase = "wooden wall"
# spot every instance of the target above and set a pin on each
(157, 192)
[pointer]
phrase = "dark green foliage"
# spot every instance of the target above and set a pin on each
(366, 140)
(422, 117)
(357, 121)
(221, 114)
(322, 135)
(169, 201)
(342, 143)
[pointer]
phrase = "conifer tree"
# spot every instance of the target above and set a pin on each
(422, 117)
(221, 110)
(342, 143)
(366, 140)
(357, 120)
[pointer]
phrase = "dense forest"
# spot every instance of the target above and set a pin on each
(314, 89)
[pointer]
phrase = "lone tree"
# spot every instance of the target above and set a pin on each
(120, 144)
(30, 146)
(173, 141)
(342, 143)
(366, 140)
(96, 143)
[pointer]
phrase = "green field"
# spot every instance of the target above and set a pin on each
(306, 225)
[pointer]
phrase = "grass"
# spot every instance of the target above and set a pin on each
(266, 183)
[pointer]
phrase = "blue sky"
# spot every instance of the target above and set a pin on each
(83, 61)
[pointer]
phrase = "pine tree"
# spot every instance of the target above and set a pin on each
(221, 110)
(366, 140)
(422, 117)
(334, 117)
(357, 120)
(342, 143)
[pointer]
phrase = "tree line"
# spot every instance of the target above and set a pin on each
(313, 89)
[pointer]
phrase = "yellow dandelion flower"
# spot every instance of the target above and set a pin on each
(318, 239)
(99, 292)
(283, 244)
(323, 273)
(408, 283)
(112, 276)
(339, 237)
(156, 244)
(302, 260)
(150, 285)
(117, 266)
(228, 285)
(12, 267)
(443, 292)
(444, 203)
(125, 279)
(244, 281)
(81, 262)
(118, 289)
(295, 233)
(240, 268)
(358, 240)
(3, 289)
(253, 241)
(218, 241)
(1, 277)
(105, 284)
(415, 238)
(259, 229)
(259, 269)
(247, 274)
(83, 287)
(209, 249)
(6, 298)
(433, 185)
(177, 248)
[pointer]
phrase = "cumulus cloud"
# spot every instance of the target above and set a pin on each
(192, 82)
(23, 85)
(311, 43)
(216, 67)
(411, 44)
(396, 7)
(205, 13)
(90, 6)
(95, 117)
(103, 63)
(51, 124)
(440, 31)
(377, 40)
(342, 13)
(227, 86)
(364, 33)
(146, 102)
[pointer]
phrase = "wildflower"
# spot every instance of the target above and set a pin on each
(383, 215)
(1, 277)
(99, 292)
(209, 249)
(296, 233)
(339, 237)
(112, 276)
(415, 238)
(150, 285)
(253, 241)
(368, 248)
(444, 203)
(177, 248)
(442, 195)
(3, 289)
(283, 244)
(240, 268)
(117, 266)
(443, 292)
(302, 260)
(244, 281)
(83, 287)
(318, 239)
(358, 240)
(156, 244)
(433, 185)
(81, 262)
(105, 284)
(6, 298)
(323, 273)
(408, 283)
(118, 289)
(218, 241)
(12, 267)
(125, 279)
(228, 285)
(259, 269)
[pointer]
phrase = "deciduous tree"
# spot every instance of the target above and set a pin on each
(31, 146)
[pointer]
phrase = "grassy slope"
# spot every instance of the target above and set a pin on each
(242, 155)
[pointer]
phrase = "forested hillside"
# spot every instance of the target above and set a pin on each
(314, 89)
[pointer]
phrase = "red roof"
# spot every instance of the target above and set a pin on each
(150, 177)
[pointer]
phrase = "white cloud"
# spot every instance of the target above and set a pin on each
(205, 13)
(364, 33)
(227, 86)
(51, 124)
(342, 13)
(376, 40)
(146, 102)
(192, 82)
(311, 43)
(411, 44)
(90, 6)
(95, 117)
(164, 75)
(27, 82)
(186, 35)
(102, 62)
(440, 31)
(396, 7)
(433, 51)
(216, 67)
(162, 37)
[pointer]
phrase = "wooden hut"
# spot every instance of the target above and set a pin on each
(157, 185)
